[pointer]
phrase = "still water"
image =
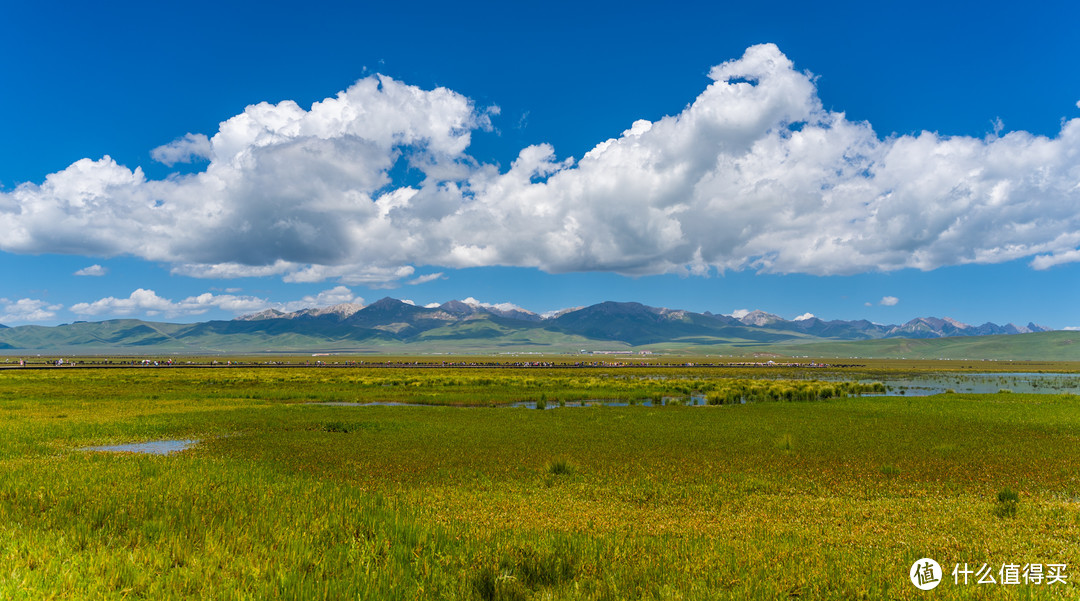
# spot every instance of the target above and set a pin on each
(1038, 383)
(917, 385)
(154, 447)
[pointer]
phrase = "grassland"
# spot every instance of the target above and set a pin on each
(285, 499)
(1039, 346)
(486, 336)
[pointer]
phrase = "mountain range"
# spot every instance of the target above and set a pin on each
(627, 321)
(391, 325)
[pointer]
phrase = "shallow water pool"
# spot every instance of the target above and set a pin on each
(154, 447)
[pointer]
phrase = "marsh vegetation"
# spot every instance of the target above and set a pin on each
(799, 492)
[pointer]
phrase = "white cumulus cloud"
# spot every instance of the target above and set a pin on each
(889, 301)
(497, 306)
(327, 298)
(431, 277)
(1042, 262)
(183, 150)
(754, 173)
(804, 317)
(93, 270)
(27, 310)
(375, 277)
(144, 302)
(147, 302)
(230, 270)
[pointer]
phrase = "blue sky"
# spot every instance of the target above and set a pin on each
(849, 160)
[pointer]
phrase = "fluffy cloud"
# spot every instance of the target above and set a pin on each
(889, 301)
(147, 302)
(93, 270)
(375, 277)
(183, 150)
(753, 174)
(431, 277)
(232, 270)
(1042, 262)
(26, 310)
(327, 298)
(804, 317)
(497, 306)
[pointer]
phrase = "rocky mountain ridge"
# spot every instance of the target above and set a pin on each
(387, 311)
(391, 325)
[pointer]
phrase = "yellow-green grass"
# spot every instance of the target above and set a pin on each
(282, 499)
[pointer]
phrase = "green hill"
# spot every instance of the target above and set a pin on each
(393, 326)
(1038, 346)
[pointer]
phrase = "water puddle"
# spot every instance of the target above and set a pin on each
(980, 383)
(372, 404)
(910, 385)
(154, 447)
(693, 401)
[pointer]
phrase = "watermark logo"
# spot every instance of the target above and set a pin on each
(1036, 574)
(925, 574)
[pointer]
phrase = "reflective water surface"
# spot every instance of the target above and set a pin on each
(154, 447)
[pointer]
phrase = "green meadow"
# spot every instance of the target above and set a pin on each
(800, 492)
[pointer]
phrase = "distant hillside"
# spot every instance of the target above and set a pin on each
(637, 324)
(1035, 346)
(391, 325)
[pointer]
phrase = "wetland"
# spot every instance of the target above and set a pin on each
(773, 484)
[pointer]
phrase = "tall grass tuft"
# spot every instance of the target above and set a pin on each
(560, 467)
(1007, 502)
(490, 585)
(889, 471)
(522, 571)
